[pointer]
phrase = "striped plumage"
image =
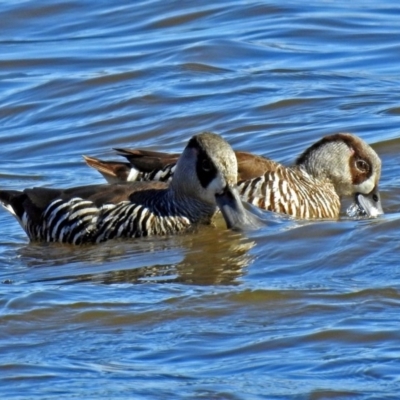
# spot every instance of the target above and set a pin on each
(337, 166)
(292, 191)
(205, 177)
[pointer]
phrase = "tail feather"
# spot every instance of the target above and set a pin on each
(113, 171)
(12, 201)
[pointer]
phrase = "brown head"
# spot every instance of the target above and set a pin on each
(350, 164)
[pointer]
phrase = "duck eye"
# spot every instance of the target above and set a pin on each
(206, 165)
(362, 166)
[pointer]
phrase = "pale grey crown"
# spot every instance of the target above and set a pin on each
(346, 161)
(207, 165)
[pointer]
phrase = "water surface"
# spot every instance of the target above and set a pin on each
(296, 310)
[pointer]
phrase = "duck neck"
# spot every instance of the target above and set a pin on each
(192, 208)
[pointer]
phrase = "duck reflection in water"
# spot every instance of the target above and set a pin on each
(210, 257)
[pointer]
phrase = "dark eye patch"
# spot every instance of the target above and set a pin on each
(362, 166)
(205, 169)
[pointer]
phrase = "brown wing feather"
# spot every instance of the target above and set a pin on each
(252, 166)
(147, 160)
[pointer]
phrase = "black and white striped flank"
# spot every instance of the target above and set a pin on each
(79, 221)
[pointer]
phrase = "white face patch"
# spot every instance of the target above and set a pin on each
(366, 187)
(216, 185)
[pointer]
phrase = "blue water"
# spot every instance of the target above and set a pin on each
(296, 310)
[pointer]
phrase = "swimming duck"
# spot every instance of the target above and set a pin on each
(205, 178)
(336, 166)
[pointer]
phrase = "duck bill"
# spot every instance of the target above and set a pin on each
(370, 204)
(234, 213)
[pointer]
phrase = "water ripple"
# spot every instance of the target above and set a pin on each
(294, 310)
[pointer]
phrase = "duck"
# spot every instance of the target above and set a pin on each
(205, 179)
(337, 166)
